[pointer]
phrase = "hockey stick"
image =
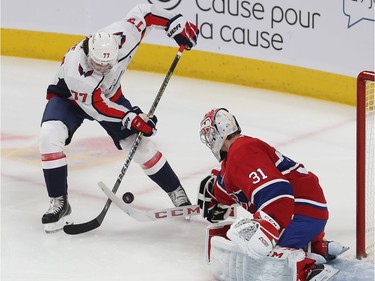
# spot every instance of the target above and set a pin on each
(96, 222)
(151, 215)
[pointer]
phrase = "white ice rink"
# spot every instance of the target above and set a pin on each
(317, 133)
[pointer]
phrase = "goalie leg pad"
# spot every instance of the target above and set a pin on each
(217, 229)
(229, 263)
(296, 259)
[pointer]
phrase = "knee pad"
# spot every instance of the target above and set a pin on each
(52, 137)
(147, 155)
(145, 151)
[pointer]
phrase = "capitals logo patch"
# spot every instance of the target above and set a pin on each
(84, 73)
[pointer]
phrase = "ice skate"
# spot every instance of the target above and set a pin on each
(334, 250)
(179, 197)
(57, 215)
(321, 272)
(330, 250)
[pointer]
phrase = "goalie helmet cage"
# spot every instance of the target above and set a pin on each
(365, 165)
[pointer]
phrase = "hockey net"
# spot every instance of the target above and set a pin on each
(365, 165)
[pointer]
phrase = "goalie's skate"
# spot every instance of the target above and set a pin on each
(57, 215)
(179, 197)
(329, 250)
(321, 272)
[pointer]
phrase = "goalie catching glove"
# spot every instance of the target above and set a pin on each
(212, 210)
(134, 119)
(256, 237)
(183, 32)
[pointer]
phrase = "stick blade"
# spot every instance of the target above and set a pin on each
(73, 229)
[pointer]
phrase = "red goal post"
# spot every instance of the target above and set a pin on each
(365, 165)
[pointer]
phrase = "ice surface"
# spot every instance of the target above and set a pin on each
(319, 134)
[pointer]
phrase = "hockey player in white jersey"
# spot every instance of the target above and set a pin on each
(87, 86)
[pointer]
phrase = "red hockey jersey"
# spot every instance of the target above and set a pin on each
(258, 177)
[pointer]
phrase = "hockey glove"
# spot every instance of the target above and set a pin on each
(212, 210)
(257, 237)
(183, 32)
(134, 119)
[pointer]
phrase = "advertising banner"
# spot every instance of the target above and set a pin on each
(333, 36)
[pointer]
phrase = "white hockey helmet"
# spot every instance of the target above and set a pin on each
(103, 51)
(216, 126)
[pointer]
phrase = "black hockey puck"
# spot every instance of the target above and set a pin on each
(128, 197)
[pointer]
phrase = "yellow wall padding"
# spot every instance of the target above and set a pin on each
(196, 64)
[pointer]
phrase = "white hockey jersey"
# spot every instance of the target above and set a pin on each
(93, 92)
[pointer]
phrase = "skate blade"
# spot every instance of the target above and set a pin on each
(344, 249)
(57, 226)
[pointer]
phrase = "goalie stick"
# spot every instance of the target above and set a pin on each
(152, 215)
(96, 222)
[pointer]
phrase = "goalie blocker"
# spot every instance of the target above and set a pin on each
(227, 261)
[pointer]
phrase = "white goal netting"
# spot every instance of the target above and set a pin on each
(365, 165)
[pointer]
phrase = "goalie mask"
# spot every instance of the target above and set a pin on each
(103, 51)
(216, 126)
